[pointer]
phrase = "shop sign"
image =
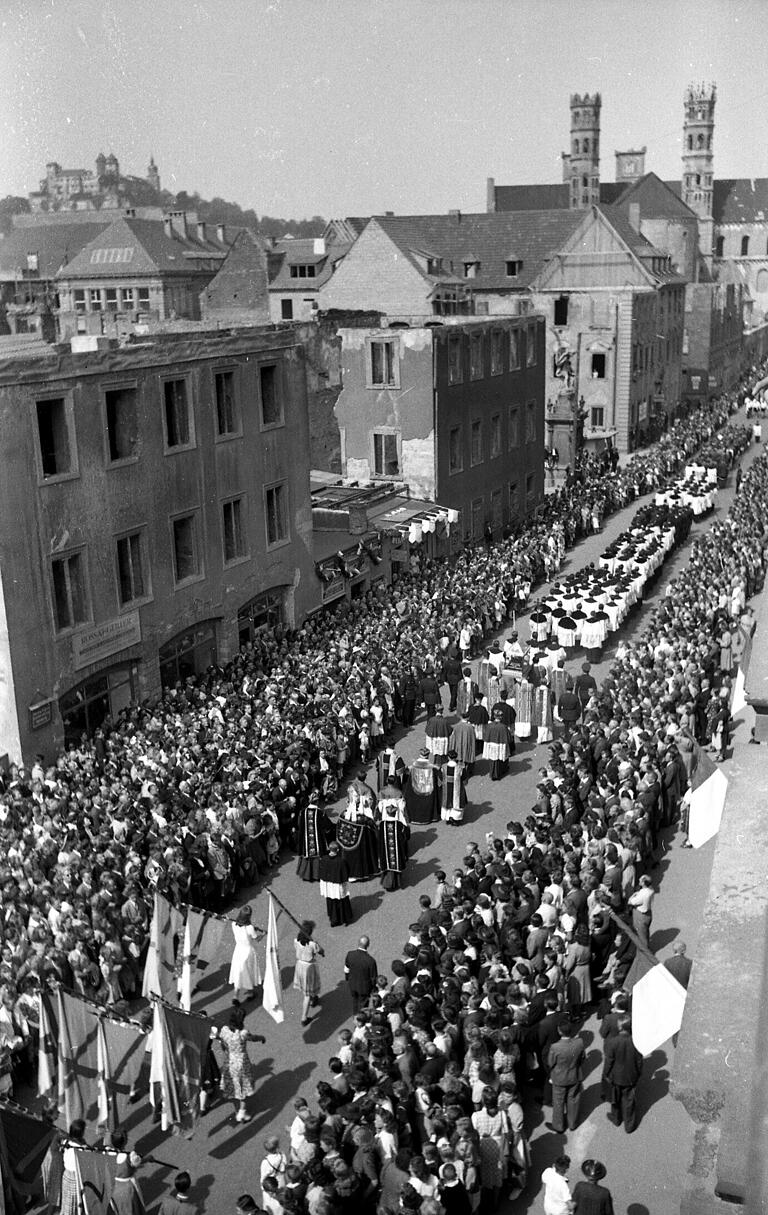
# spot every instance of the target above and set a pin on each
(332, 590)
(40, 714)
(103, 640)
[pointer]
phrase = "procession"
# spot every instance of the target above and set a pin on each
(126, 863)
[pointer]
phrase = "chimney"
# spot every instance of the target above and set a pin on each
(455, 215)
(167, 225)
(634, 216)
(201, 230)
(179, 222)
(390, 213)
(490, 194)
(318, 246)
(221, 234)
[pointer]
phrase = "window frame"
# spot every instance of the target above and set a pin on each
(369, 378)
(515, 361)
(241, 501)
(496, 445)
(127, 534)
(286, 304)
(476, 426)
(195, 515)
(65, 556)
(105, 390)
(531, 431)
(455, 344)
(530, 345)
(73, 471)
(598, 354)
(271, 545)
(456, 430)
(497, 352)
(191, 443)
(513, 426)
(277, 366)
(385, 432)
(237, 432)
(476, 356)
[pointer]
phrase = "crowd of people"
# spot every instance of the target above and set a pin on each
(195, 795)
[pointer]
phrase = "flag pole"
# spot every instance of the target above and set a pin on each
(280, 903)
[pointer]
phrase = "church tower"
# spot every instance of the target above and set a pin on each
(584, 156)
(153, 174)
(697, 184)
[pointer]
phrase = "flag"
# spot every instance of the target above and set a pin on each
(46, 1049)
(126, 1046)
(102, 1075)
(24, 1142)
(205, 939)
(95, 1179)
(160, 964)
(185, 982)
(658, 1001)
(272, 1001)
(706, 798)
(77, 1058)
(179, 1043)
(739, 700)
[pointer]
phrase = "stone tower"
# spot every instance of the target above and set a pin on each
(101, 164)
(584, 156)
(697, 184)
(153, 174)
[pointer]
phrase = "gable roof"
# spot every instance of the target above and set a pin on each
(651, 265)
(54, 244)
(656, 198)
(492, 239)
(132, 247)
(548, 196)
(736, 200)
(301, 252)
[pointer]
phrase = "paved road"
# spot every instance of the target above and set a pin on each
(643, 1172)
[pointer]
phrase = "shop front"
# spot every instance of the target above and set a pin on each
(187, 654)
(264, 612)
(85, 707)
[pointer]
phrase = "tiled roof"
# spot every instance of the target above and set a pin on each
(54, 245)
(655, 198)
(736, 200)
(133, 247)
(549, 196)
(490, 238)
(280, 261)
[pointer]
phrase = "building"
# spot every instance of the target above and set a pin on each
(154, 513)
(30, 259)
(581, 166)
(298, 270)
(713, 339)
(454, 412)
(138, 270)
(87, 189)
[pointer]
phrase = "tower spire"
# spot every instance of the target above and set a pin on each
(584, 157)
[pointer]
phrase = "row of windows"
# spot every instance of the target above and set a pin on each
(456, 437)
(111, 299)
(56, 429)
(744, 247)
(69, 578)
(501, 511)
(383, 358)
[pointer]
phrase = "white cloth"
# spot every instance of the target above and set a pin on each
(557, 1193)
(245, 972)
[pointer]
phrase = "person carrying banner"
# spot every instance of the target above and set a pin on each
(245, 971)
(306, 978)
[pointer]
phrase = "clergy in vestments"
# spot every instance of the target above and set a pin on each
(437, 734)
(466, 692)
(524, 709)
(394, 833)
(334, 875)
(542, 705)
(558, 681)
(496, 746)
(463, 742)
(314, 833)
(453, 796)
(421, 790)
(390, 768)
(478, 717)
(358, 839)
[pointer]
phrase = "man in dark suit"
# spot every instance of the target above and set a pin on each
(569, 709)
(585, 684)
(429, 691)
(452, 672)
(623, 1069)
(566, 1063)
(361, 972)
(679, 965)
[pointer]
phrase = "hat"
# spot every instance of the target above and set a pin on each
(594, 1170)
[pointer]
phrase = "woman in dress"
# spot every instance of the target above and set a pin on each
(577, 970)
(238, 1078)
(70, 1201)
(492, 1125)
(245, 972)
(306, 978)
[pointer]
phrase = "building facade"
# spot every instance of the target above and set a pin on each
(454, 412)
(154, 512)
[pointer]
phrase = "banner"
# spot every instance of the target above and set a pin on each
(206, 941)
(706, 797)
(179, 1043)
(272, 1000)
(46, 1050)
(658, 1001)
(159, 976)
(95, 1179)
(126, 1048)
(77, 1059)
(24, 1142)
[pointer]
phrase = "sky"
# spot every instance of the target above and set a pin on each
(354, 107)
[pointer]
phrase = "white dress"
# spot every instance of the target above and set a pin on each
(245, 972)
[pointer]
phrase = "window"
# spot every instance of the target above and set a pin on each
(530, 422)
(54, 429)
(302, 271)
(271, 397)
(513, 428)
(178, 427)
(497, 352)
(476, 447)
(70, 600)
(122, 423)
(94, 296)
(530, 482)
(495, 436)
(496, 509)
(745, 246)
(598, 366)
(476, 356)
(186, 555)
(86, 706)
(561, 310)
(79, 301)
(477, 518)
(514, 266)
(128, 299)
(259, 615)
(455, 450)
(33, 263)
(286, 310)
(131, 567)
(386, 462)
(232, 524)
(514, 349)
(143, 296)
(188, 654)
(454, 360)
(471, 269)
(227, 420)
(383, 364)
(110, 299)
(514, 501)
(275, 500)
(598, 417)
(530, 346)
